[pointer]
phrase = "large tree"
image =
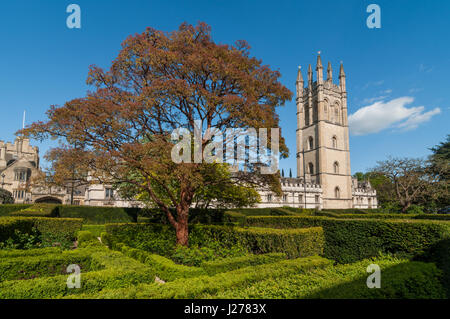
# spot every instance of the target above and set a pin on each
(158, 83)
(409, 181)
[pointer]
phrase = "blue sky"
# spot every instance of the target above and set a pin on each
(397, 77)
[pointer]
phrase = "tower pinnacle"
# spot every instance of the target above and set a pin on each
(310, 74)
(342, 78)
(319, 62)
(299, 82)
(329, 73)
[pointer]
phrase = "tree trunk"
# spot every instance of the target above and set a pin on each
(182, 228)
(405, 207)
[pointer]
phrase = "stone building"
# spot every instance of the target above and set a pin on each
(19, 163)
(323, 179)
(323, 152)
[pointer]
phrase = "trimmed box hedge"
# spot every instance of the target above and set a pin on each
(293, 242)
(164, 268)
(99, 215)
(26, 266)
(160, 239)
(349, 240)
(399, 279)
(384, 216)
(224, 265)
(7, 209)
(112, 270)
(51, 229)
(38, 210)
(195, 287)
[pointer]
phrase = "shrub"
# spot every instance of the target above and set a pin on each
(195, 287)
(414, 209)
(359, 216)
(229, 264)
(9, 225)
(7, 209)
(29, 252)
(399, 279)
(97, 230)
(193, 256)
(38, 210)
(27, 267)
(60, 231)
(293, 242)
(349, 240)
(85, 236)
(225, 240)
(6, 197)
(100, 215)
(165, 268)
(109, 269)
(154, 238)
(385, 216)
(22, 240)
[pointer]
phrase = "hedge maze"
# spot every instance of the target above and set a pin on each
(270, 253)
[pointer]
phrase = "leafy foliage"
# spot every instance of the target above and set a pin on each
(6, 197)
(160, 82)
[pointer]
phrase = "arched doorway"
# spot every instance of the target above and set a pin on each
(48, 200)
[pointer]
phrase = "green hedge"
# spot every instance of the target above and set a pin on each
(195, 287)
(7, 209)
(10, 253)
(164, 268)
(160, 239)
(349, 240)
(51, 230)
(229, 264)
(167, 270)
(38, 210)
(354, 210)
(99, 215)
(31, 266)
(384, 216)
(8, 225)
(293, 242)
(113, 270)
(399, 279)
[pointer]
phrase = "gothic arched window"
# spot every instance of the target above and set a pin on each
(337, 192)
(311, 168)
(336, 167)
(334, 141)
(336, 114)
(310, 143)
(306, 115)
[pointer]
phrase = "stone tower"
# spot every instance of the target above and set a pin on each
(323, 155)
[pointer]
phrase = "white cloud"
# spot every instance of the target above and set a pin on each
(391, 114)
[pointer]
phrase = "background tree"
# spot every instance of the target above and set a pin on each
(439, 168)
(409, 180)
(6, 197)
(160, 82)
(70, 167)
